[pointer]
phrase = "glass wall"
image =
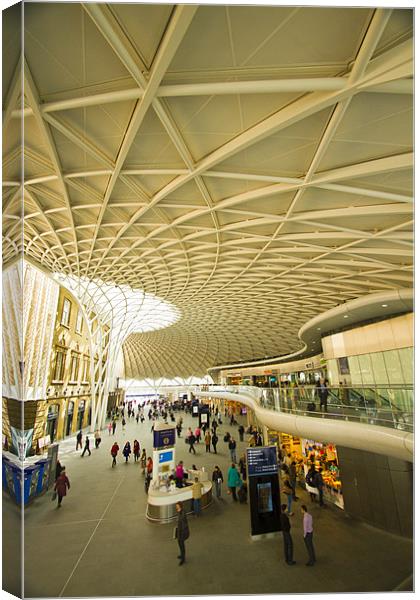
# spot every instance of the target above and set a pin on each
(393, 367)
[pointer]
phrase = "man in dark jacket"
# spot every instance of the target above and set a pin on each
(214, 440)
(287, 538)
(241, 431)
(182, 531)
(87, 447)
(79, 440)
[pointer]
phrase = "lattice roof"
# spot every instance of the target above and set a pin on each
(250, 165)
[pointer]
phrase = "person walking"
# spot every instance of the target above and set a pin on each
(114, 426)
(182, 532)
(79, 438)
(308, 532)
(61, 486)
(110, 428)
(214, 440)
(234, 481)
(87, 447)
(217, 479)
(191, 441)
(241, 431)
(137, 418)
(197, 490)
(127, 451)
(136, 450)
(114, 451)
(232, 448)
(207, 440)
(287, 538)
(98, 438)
(123, 423)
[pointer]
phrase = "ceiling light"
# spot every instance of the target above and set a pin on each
(384, 305)
(318, 328)
(346, 317)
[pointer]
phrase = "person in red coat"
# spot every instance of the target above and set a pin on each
(61, 485)
(114, 452)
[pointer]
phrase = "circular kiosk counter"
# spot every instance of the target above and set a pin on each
(161, 504)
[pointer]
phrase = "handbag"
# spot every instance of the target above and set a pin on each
(54, 496)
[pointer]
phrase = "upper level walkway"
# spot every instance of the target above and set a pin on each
(373, 418)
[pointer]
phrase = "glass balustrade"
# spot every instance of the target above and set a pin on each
(387, 406)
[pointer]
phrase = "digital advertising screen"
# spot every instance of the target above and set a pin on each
(265, 497)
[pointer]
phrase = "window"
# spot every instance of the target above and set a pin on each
(79, 322)
(65, 315)
(60, 359)
(74, 367)
(86, 369)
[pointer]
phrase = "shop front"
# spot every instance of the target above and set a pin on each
(80, 414)
(307, 452)
(52, 421)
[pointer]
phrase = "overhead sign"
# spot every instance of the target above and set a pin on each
(164, 438)
(262, 461)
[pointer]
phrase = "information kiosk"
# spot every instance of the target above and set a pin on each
(264, 490)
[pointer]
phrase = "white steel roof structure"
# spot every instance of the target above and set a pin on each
(249, 165)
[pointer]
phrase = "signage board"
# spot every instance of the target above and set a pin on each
(164, 438)
(166, 456)
(262, 461)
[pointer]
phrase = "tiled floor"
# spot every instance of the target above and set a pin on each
(100, 544)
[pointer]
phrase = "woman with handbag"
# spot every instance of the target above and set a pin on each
(61, 486)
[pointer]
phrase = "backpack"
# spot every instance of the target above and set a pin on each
(310, 479)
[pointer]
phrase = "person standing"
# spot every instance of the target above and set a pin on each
(292, 478)
(323, 393)
(182, 531)
(110, 428)
(214, 440)
(87, 447)
(232, 448)
(319, 484)
(241, 431)
(97, 438)
(114, 426)
(308, 532)
(287, 538)
(79, 440)
(123, 423)
(217, 479)
(197, 434)
(197, 489)
(114, 451)
(143, 461)
(179, 474)
(61, 486)
(127, 451)
(242, 467)
(234, 481)
(207, 440)
(288, 490)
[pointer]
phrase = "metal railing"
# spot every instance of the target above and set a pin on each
(386, 406)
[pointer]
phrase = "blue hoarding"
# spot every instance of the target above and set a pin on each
(262, 461)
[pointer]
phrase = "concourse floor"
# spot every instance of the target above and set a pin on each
(100, 543)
